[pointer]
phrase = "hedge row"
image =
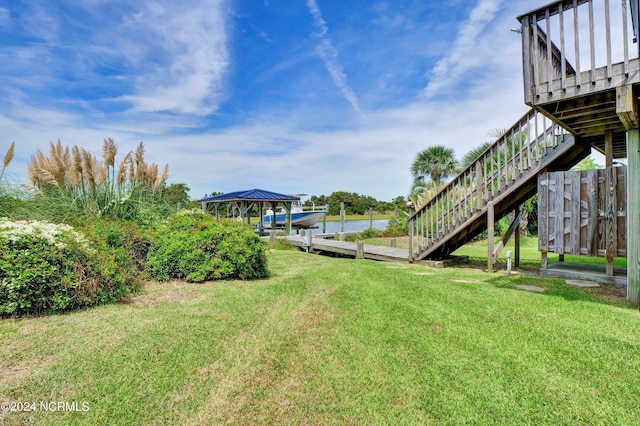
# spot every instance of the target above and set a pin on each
(46, 267)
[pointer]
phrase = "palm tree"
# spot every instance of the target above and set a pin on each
(436, 162)
(473, 154)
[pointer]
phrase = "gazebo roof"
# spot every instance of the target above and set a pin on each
(250, 195)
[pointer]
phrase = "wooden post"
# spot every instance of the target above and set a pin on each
(411, 253)
(341, 216)
(611, 220)
(287, 225)
(490, 236)
(393, 242)
(370, 217)
(608, 148)
(516, 241)
(633, 217)
(480, 184)
(359, 250)
(274, 206)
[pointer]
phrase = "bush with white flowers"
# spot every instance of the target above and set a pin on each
(47, 267)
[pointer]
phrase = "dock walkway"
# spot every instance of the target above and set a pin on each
(359, 250)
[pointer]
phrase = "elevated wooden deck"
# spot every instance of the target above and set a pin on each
(582, 71)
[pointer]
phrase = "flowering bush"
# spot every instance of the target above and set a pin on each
(195, 247)
(53, 233)
(46, 267)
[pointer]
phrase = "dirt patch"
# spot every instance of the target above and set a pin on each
(170, 292)
(14, 372)
(612, 293)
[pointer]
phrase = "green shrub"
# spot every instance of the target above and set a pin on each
(195, 247)
(397, 227)
(46, 267)
(363, 235)
(126, 242)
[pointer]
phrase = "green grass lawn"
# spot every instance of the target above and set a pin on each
(333, 341)
(529, 254)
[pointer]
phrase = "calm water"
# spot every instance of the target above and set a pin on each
(351, 226)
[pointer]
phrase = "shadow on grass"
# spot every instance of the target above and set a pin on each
(606, 294)
(527, 274)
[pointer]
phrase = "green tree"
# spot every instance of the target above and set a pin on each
(587, 163)
(436, 162)
(176, 193)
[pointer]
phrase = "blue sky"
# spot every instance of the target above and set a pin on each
(293, 96)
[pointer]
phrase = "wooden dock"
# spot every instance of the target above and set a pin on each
(359, 250)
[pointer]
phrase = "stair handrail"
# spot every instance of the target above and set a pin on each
(484, 179)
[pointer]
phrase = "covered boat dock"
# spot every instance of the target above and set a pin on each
(244, 201)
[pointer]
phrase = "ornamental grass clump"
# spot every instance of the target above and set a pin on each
(73, 182)
(47, 267)
(195, 247)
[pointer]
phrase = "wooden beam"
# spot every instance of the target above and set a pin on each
(490, 236)
(611, 221)
(626, 107)
(608, 148)
(514, 226)
(633, 217)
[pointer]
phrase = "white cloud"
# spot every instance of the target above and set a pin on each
(186, 43)
(329, 56)
(463, 55)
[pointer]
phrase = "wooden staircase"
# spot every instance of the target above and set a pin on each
(503, 177)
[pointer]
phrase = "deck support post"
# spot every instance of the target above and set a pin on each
(608, 148)
(274, 206)
(633, 217)
(516, 239)
(287, 226)
(490, 236)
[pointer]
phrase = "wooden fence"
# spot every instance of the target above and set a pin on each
(583, 213)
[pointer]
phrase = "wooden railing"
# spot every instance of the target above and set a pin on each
(513, 157)
(574, 47)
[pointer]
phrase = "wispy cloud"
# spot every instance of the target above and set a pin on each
(462, 58)
(329, 56)
(5, 18)
(189, 42)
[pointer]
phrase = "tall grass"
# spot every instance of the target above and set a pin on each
(71, 182)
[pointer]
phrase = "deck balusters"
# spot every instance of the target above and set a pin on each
(548, 73)
(549, 50)
(512, 157)
(625, 38)
(563, 59)
(607, 24)
(592, 44)
(576, 41)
